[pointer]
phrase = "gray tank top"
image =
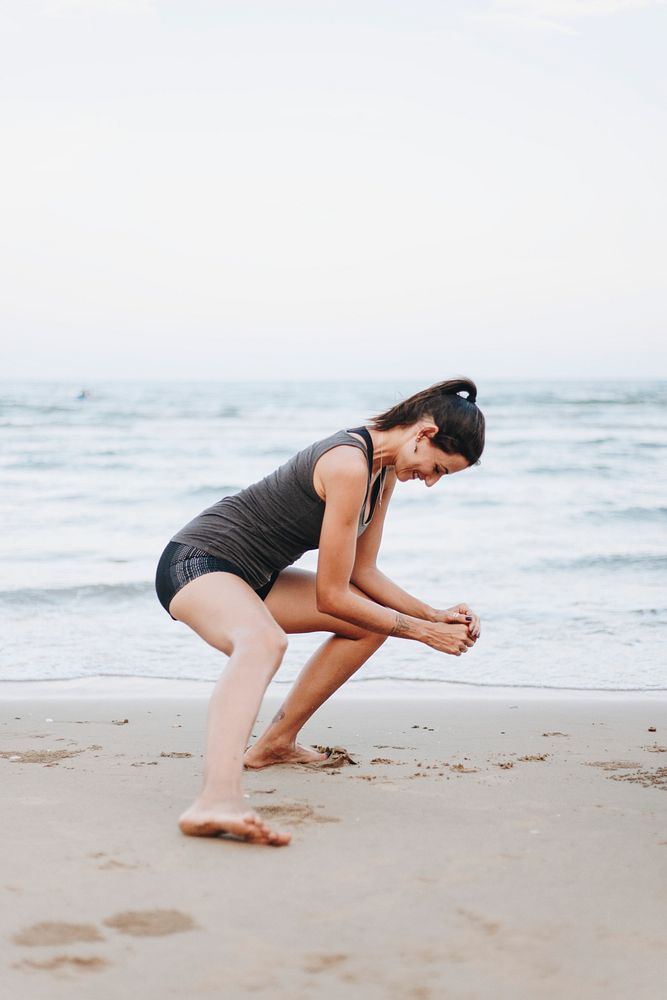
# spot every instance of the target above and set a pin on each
(269, 525)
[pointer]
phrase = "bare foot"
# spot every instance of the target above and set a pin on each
(264, 755)
(229, 818)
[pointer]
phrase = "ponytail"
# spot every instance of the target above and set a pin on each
(459, 420)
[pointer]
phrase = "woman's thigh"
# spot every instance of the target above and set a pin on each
(224, 610)
(293, 603)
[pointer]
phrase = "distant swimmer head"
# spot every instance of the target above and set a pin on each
(451, 423)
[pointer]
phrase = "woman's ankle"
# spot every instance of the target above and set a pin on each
(214, 796)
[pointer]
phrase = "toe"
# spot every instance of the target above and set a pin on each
(257, 826)
(261, 833)
(278, 838)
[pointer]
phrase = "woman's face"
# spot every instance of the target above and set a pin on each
(427, 463)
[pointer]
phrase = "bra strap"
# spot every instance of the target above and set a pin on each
(369, 446)
(379, 482)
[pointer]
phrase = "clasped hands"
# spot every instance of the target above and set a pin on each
(460, 638)
(461, 614)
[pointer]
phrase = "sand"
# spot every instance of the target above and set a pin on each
(484, 845)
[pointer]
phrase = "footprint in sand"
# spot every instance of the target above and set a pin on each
(323, 962)
(54, 933)
(89, 963)
(647, 779)
(479, 921)
(150, 923)
(38, 756)
(112, 864)
(613, 765)
(296, 813)
(386, 746)
(380, 779)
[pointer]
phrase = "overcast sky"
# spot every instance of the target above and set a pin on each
(361, 189)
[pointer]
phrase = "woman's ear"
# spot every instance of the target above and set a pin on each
(429, 430)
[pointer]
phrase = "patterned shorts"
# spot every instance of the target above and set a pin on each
(179, 564)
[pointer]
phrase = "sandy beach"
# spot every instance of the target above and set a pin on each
(491, 844)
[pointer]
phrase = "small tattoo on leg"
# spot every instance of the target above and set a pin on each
(278, 717)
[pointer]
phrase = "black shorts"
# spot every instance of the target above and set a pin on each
(179, 564)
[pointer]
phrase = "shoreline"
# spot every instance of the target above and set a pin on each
(168, 688)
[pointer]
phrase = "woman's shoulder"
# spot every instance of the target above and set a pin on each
(341, 461)
(342, 444)
(345, 459)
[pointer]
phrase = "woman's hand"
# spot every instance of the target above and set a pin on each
(461, 613)
(452, 639)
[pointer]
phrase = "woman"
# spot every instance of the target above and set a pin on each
(225, 576)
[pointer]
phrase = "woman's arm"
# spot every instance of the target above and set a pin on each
(368, 577)
(380, 588)
(344, 478)
(383, 590)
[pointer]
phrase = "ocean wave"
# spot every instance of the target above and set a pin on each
(36, 463)
(54, 596)
(543, 398)
(608, 561)
(629, 514)
(485, 684)
(397, 679)
(44, 409)
(602, 471)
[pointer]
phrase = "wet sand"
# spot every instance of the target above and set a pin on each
(488, 845)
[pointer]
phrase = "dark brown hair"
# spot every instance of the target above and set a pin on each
(460, 421)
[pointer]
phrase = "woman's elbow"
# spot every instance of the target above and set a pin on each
(329, 602)
(362, 574)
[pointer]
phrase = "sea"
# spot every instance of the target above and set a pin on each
(557, 538)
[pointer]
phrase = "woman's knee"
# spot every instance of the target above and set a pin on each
(371, 639)
(267, 642)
